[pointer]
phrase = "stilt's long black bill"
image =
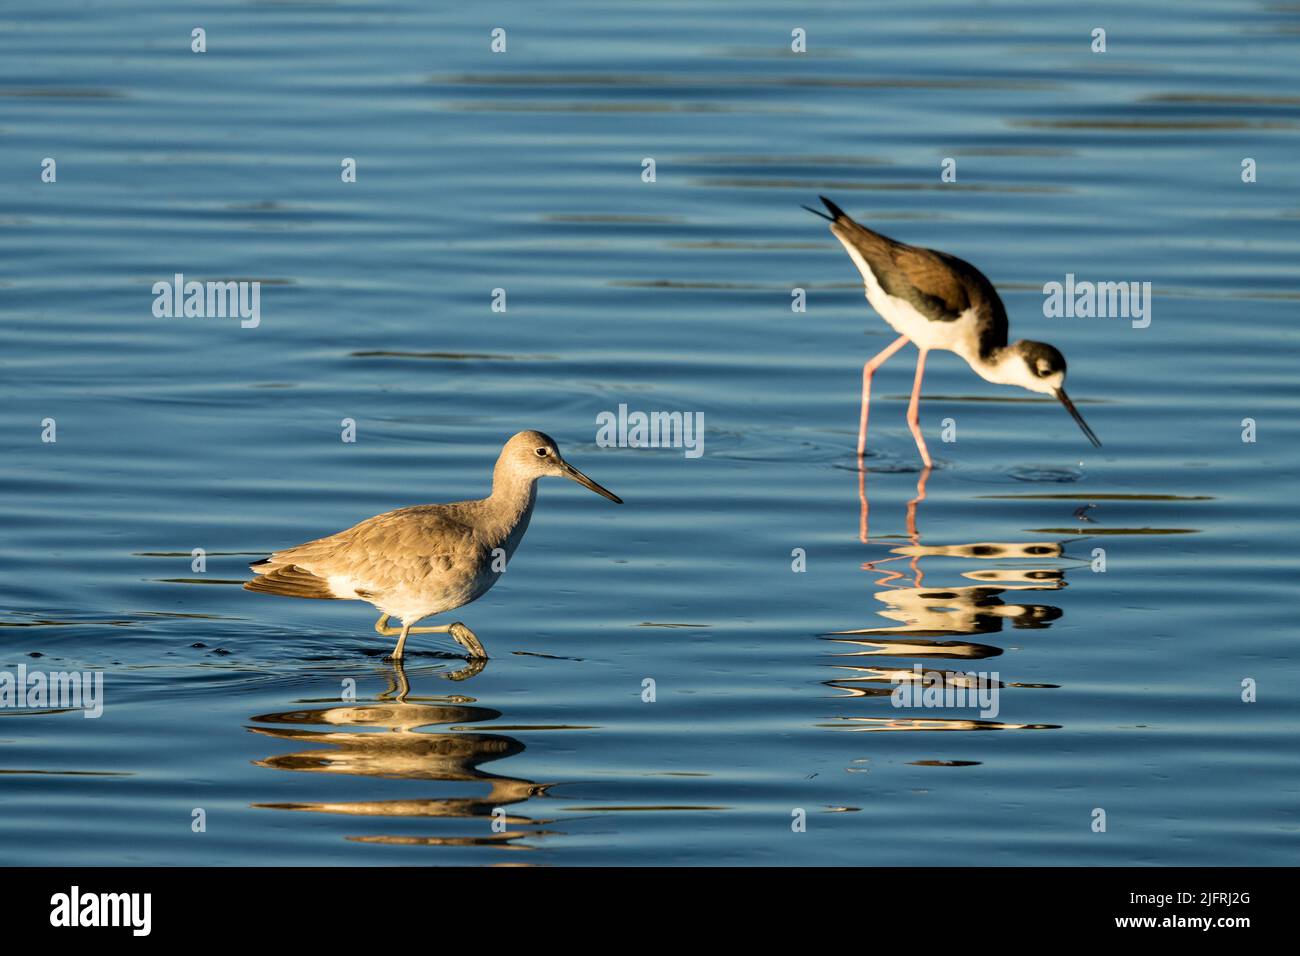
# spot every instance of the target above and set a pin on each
(817, 212)
(580, 478)
(1074, 413)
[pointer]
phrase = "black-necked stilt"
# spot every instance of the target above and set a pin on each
(937, 301)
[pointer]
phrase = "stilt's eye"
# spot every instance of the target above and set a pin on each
(543, 452)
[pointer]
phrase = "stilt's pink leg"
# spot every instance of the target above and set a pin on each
(863, 534)
(869, 370)
(913, 413)
(911, 516)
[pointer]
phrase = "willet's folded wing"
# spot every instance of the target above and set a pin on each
(407, 547)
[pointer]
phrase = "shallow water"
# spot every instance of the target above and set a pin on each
(1118, 690)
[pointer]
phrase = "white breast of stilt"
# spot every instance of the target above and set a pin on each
(957, 335)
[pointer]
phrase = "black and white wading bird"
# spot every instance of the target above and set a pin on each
(937, 301)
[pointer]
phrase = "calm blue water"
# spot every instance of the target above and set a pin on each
(522, 171)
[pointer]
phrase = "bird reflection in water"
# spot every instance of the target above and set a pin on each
(937, 622)
(865, 505)
(387, 738)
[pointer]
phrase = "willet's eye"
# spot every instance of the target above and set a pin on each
(542, 452)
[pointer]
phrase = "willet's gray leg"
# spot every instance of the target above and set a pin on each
(401, 642)
(459, 632)
(468, 640)
(399, 687)
(472, 667)
(382, 627)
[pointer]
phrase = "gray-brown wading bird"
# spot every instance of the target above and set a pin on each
(937, 301)
(427, 559)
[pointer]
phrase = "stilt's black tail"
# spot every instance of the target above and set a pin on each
(836, 212)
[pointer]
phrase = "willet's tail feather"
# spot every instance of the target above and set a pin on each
(288, 580)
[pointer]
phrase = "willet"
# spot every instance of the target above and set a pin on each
(427, 559)
(937, 301)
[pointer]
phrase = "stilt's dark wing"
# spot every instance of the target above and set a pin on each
(939, 286)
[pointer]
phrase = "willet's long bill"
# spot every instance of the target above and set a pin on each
(937, 301)
(426, 559)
